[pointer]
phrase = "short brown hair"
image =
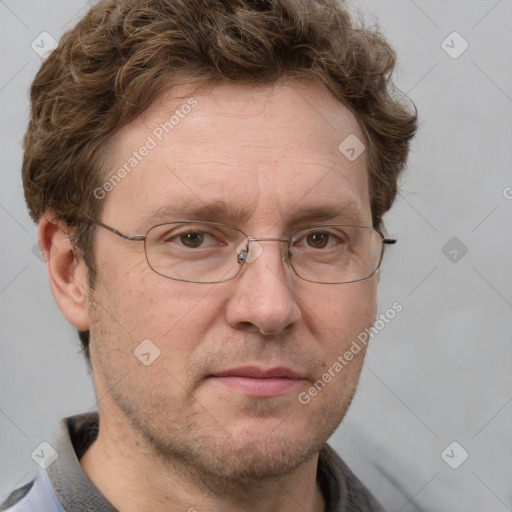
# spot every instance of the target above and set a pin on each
(123, 53)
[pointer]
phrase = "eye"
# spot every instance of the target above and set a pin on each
(317, 240)
(321, 239)
(184, 239)
(192, 239)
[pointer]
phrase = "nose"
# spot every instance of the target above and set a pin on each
(263, 293)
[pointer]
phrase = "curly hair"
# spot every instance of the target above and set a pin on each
(124, 53)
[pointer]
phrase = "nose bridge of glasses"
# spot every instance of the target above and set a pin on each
(251, 239)
(250, 252)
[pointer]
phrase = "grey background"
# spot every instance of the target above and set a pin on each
(439, 372)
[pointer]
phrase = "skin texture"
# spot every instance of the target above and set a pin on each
(171, 437)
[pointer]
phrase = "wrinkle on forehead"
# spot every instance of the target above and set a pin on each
(268, 149)
(259, 102)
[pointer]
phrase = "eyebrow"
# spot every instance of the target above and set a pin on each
(219, 211)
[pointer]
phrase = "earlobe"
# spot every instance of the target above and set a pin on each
(66, 274)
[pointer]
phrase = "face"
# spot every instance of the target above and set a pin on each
(269, 152)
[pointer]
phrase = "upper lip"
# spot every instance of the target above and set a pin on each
(258, 372)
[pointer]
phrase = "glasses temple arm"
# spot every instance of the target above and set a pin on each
(135, 238)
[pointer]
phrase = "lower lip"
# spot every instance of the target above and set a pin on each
(259, 387)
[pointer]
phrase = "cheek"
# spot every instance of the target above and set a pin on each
(149, 319)
(174, 316)
(342, 317)
(339, 314)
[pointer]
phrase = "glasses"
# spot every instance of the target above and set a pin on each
(211, 252)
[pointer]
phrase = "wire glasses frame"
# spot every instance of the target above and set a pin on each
(243, 248)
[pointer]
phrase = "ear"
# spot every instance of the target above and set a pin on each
(67, 276)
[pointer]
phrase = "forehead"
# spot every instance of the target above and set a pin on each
(260, 150)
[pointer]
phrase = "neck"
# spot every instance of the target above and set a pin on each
(132, 477)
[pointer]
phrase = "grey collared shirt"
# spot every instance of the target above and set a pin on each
(64, 487)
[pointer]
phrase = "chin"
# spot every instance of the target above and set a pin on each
(256, 458)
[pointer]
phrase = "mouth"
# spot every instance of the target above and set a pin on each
(259, 382)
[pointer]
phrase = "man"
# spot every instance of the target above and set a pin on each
(209, 179)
